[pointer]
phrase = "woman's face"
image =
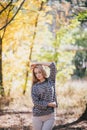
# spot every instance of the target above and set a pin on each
(38, 74)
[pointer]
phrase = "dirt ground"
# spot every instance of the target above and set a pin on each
(22, 120)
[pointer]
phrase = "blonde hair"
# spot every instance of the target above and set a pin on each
(34, 78)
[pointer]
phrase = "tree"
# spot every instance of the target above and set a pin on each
(20, 33)
(80, 36)
(7, 14)
(1, 85)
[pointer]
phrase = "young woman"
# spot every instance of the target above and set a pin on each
(43, 96)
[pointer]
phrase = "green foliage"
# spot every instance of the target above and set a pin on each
(79, 61)
(82, 16)
(55, 51)
(80, 58)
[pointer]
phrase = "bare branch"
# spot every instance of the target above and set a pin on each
(2, 5)
(13, 15)
(6, 7)
(6, 21)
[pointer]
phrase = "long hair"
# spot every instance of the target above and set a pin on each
(34, 78)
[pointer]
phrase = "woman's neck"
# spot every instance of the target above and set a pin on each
(42, 80)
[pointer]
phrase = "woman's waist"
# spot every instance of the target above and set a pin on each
(39, 112)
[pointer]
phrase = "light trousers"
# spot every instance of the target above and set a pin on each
(45, 122)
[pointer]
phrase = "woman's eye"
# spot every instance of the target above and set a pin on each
(37, 73)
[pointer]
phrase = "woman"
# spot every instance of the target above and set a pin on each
(43, 96)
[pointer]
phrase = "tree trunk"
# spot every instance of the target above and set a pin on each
(84, 115)
(1, 81)
(31, 49)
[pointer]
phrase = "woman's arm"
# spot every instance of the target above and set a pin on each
(53, 71)
(33, 64)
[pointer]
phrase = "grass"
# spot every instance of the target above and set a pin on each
(72, 96)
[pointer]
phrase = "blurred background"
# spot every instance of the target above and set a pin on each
(44, 30)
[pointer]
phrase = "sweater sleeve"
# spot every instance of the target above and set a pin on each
(52, 77)
(53, 72)
(35, 98)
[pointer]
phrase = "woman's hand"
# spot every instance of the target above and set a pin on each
(32, 65)
(52, 104)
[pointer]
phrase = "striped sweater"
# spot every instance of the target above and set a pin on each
(44, 93)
